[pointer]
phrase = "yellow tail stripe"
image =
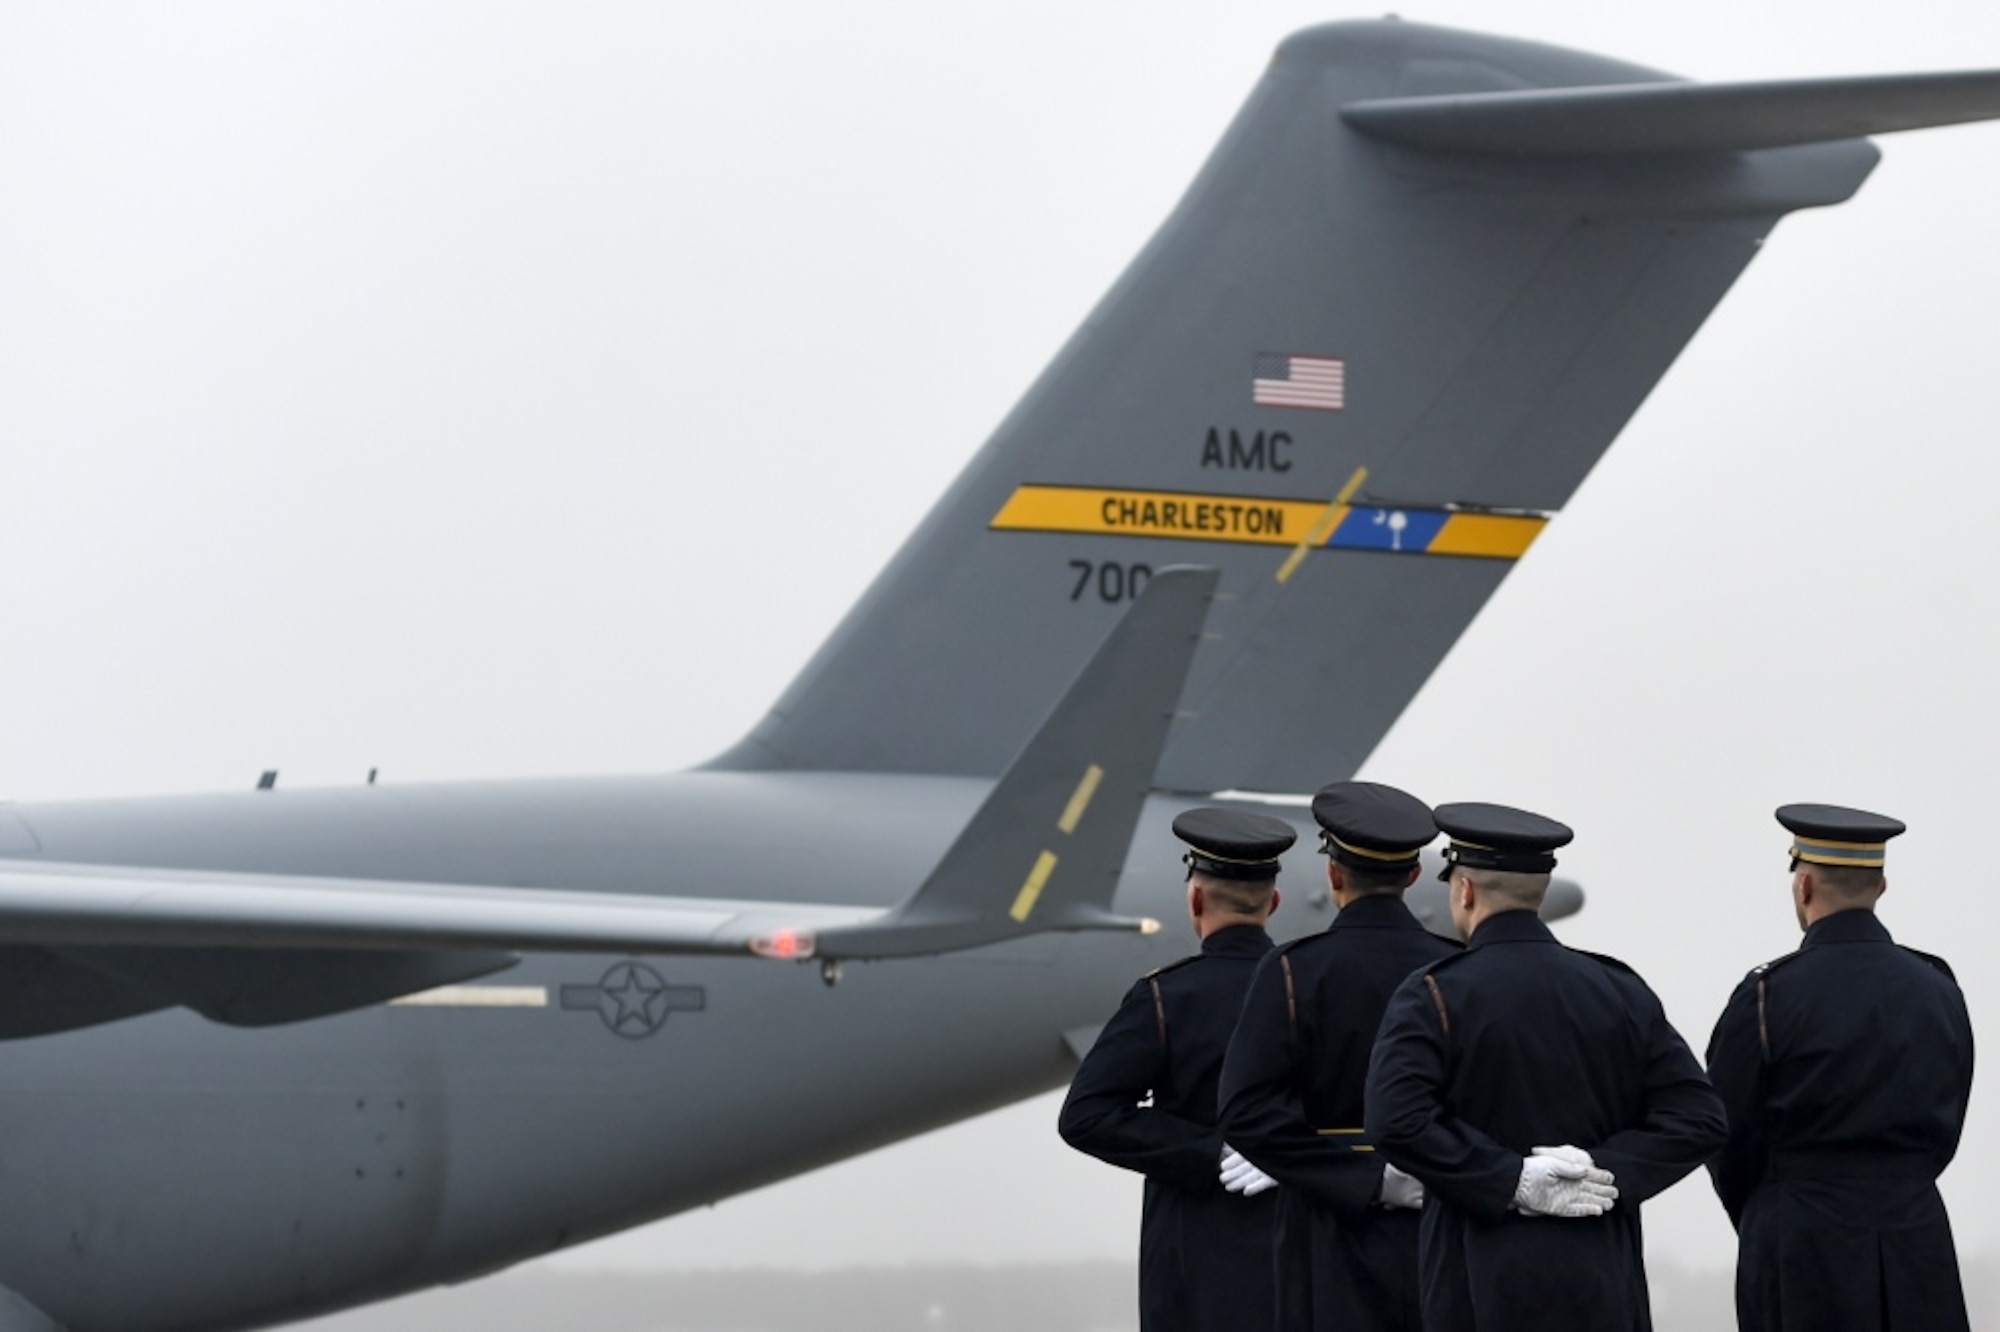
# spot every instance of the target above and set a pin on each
(1073, 812)
(1335, 513)
(1493, 536)
(1301, 525)
(1038, 877)
(1157, 513)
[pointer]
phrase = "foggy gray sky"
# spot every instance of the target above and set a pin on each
(503, 390)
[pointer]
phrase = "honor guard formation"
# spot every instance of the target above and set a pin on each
(1373, 1127)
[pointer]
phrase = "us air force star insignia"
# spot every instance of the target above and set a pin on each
(633, 1000)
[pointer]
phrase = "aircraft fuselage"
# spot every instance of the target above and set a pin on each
(351, 1157)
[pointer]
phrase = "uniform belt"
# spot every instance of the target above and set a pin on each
(1847, 1163)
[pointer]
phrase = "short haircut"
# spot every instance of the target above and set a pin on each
(1508, 889)
(1375, 880)
(1856, 885)
(1240, 897)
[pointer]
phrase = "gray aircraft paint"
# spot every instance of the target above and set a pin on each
(188, 1174)
(1500, 319)
(94, 940)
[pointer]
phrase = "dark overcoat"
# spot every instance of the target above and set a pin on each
(1145, 1098)
(1291, 1102)
(1519, 1042)
(1846, 1068)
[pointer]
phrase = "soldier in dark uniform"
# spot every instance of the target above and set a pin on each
(1291, 1085)
(1846, 1068)
(1539, 1094)
(1144, 1097)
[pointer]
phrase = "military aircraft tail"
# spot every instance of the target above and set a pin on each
(1419, 287)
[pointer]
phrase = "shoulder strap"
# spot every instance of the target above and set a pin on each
(1159, 1009)
(1763, 1017)
(1936, 963)
(1291, 994)
(1437, 997)
(1763, 973)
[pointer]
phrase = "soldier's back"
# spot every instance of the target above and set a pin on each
(1199, 999)
(1342, 980)
(1847, 1067)
(1868, 1048)
(1552, 1043)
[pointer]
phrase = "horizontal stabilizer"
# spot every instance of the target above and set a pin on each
(92, 943)
(1046, 847)
(1678, 117)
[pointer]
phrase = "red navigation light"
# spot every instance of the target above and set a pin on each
(784, 945)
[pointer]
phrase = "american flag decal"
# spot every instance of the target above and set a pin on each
(1299, 381)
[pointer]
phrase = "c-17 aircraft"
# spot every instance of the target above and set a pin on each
(279, 1052)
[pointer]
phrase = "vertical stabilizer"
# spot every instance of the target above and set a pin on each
(1355, 375)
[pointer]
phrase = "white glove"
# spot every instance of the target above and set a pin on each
(1239, 1176)
(1596, 1180)
(1573, 1155)
(1562, 1186)
(1399, 1189)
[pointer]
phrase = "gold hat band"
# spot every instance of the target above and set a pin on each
(1228, 860)
(1368, 854)
(1862, 855)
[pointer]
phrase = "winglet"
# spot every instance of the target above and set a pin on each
(1045, 850)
